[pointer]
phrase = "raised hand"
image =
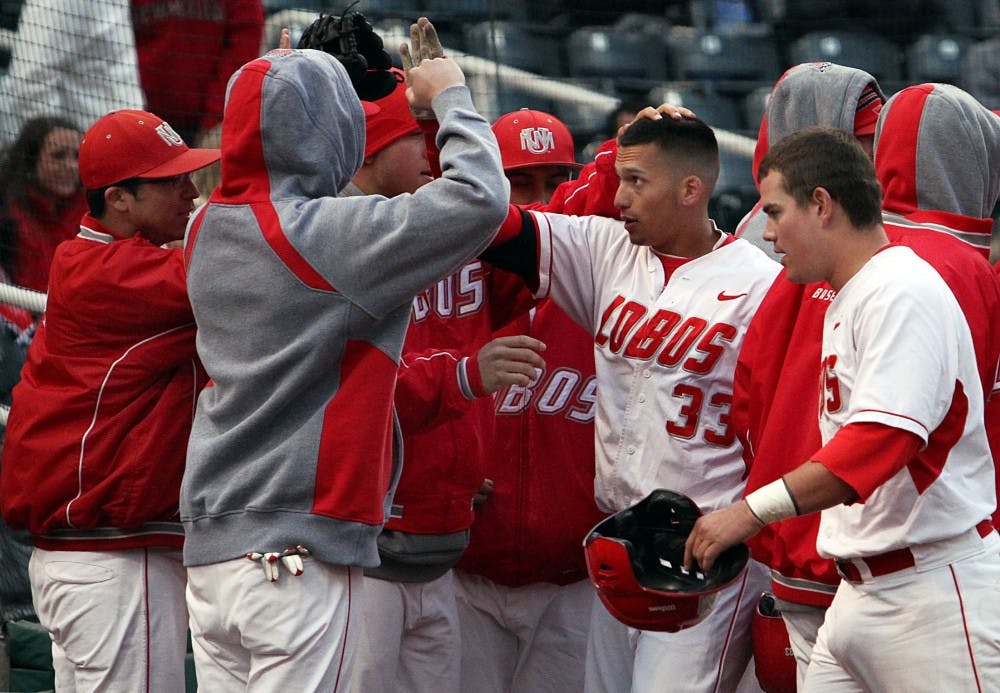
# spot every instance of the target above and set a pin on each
(427, 72)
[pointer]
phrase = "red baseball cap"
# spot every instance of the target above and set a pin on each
(136, 144)
(389, 120)
(534, 138)
(866, 115)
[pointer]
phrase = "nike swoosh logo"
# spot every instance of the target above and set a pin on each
(723, 296)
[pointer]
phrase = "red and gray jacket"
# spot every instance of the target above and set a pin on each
(99, 426)
(302, 300)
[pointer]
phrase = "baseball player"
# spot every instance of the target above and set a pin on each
(904, 477)
(666, 296)
(523, 595)
(409, 637)
(808, 94)
(778, 366)
(302, 300)
(97, 434)
(818, 93)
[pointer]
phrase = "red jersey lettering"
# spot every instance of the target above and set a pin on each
(710, 348)
(601, 338)
(649, 337)
(831, 386)
(681, 342)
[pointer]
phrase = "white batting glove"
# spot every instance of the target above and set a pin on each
(291, 558)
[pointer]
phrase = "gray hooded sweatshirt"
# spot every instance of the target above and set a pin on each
(302, 300)
(807, 94)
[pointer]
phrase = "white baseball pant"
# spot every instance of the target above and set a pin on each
(710, 657)
(803, 625)
(295, 634)
(529, 639)
(409, 640)
(935, 629)
(116, 618)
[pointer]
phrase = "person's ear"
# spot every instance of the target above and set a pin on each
(691, 189)
(824, 204)
(117, 198)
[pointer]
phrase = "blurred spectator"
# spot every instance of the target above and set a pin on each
(72, 57)
(42, 199)
(187, 52)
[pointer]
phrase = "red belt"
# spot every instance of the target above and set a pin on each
(891, 561)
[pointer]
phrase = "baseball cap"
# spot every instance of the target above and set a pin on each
(136, 144)
(390, 120)
(534, 138)
(866, 115)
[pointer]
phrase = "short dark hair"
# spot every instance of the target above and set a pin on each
(823, 157)
(688, 139)
(95, 198)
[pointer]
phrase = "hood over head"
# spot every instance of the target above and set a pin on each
(811, 94)
(293, 127)
(938, 148)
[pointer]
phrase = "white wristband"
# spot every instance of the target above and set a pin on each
(772, 503)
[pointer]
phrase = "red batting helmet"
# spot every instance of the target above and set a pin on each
(533, 138)
(635, 560)
(773, 659)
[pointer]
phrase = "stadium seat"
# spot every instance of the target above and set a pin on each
(974, 19)
(716, 109)
(735, 193)
(494, 100)
(465, 11)
(936, 58)
(750, 57)
(584, 120)
(596, 51)
(754, 106)
(736, 173)
(515, 44)
(862, 50)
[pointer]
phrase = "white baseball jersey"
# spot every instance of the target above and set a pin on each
(897, 351)
(665, 353)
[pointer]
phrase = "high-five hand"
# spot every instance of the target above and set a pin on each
(427, 72)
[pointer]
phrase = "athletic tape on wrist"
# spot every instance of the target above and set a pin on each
(772, 503)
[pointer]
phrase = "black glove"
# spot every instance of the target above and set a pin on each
(352, 40)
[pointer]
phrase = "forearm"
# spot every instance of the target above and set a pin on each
(814, 488)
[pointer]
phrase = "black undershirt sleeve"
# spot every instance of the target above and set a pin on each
(519, 255)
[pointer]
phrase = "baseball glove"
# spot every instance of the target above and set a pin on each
(352, 40)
